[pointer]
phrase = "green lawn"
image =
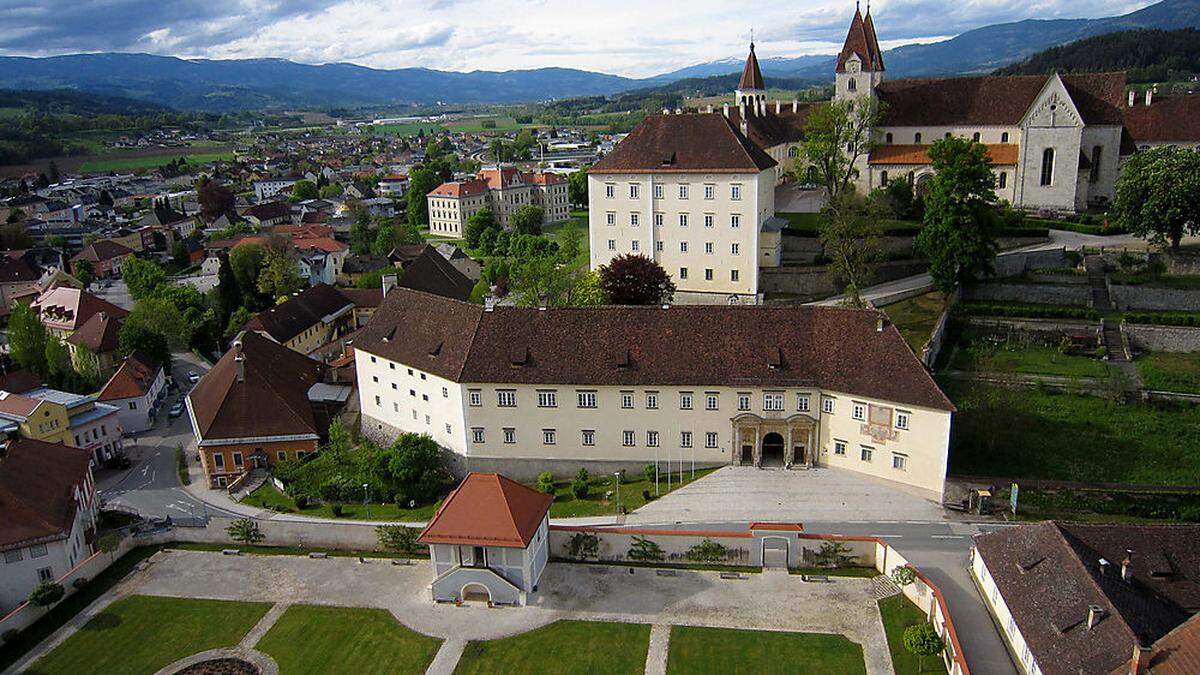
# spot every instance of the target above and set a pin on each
(1170, 372)
(979, 357)
(720, 650)
(474, 125)
(141, 634)
(129, 163)
(562, 648)
(404, 129)
(899, 613)
(267, 497)
(579, 222)
(312, 639)
(856, 572)
(916, 317)
(1031, 433)
(566, 505)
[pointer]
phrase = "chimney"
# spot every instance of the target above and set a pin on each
(240, 360)
(795, 105)
(879, 323)
(1149, 96)
(745, 131)
(778, 106)
(1104, 565)
(389, 282)
(1127, 565)
(725, 111)
(1132, 98)
(1140, 663)
(679, 111)
(666, 111)
(710, 108)
(1095, 614)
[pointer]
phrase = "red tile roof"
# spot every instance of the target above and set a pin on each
(134, 378)
(488, 509)
(1177, 653)
(1000, 155)
(832, 348)
(308, 308)
(751, 74)
(105, 249)
(100, 333)
(70, 308)
(1174, 118)
(861, 40)
(37, 482)
(462, 188)
(685, 143)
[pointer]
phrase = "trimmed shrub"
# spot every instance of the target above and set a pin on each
(579, 488)
(47, 593)
(336, 510)
(301, 501)
(545, 482)
(1165, 318)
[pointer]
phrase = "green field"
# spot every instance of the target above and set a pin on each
(405, 129)
(695, 650)
(1170, 372)
(267, 497)
(916, 317)
(117, 163)
(562, 648)
(978, 357)
(310, 639)
(898, 614)
(1031, 433)
(474, 125)
(141, 634)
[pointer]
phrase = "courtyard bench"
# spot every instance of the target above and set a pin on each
(231, 551)
(732, 575)
(318, 554)
(401, 561)
(814, 578)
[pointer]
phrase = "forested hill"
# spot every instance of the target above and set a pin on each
(1146, 55)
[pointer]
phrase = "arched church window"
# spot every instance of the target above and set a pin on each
(1004, 137)
(883, 178)
(917, 137)
(975, 136)
(852, 85)
(1002, 181)
(1047, 166)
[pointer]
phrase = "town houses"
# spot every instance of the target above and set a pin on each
(501, 189)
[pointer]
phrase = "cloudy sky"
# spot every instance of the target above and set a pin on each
(627, 37)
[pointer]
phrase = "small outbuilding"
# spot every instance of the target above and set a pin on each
(489, 541)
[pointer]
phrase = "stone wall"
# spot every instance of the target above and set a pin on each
(1017, 263)
(1177, 339)
(1150, 298)
(1043, 294)
(1045, 331)
(1181, 262)
(811, 283)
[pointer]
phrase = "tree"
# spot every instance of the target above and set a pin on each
(644, 550)
(583, 545)
(636, 280)
(959, 213)
(481, 221)
(903, 575)
(245, 531)
(109, 542)
(416, 465)
(545, 482)
(331, 191)
(85, 272)
(499, 151)
(851, 237)
(834, 554)
(586, 291)
(55, 176)
(246, 262)
(133, 337)
(570, 244)
(420, 183)
(58, 361)
(923, 640)
(180, 256)
(160, 315)
(240, 317)
(361, 234)
(385, 239)
(398, 538)
(340, 443)
(540, 282)
(1158, 195)
(87, 367)
(707, 551)
(15, 216)
(527, 219)
(143, 277)
(27, 338)
(279, 277)
(577, 187)
(304, 189)
(837, 136)
(46, 593)
(215, 200)
(229, 292)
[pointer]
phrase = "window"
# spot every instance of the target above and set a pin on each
(610, 190)
(634, 219)
(37, 551)
(589, 437)
(917, 137)
(133, 405)
(685, 439)
(975, 136)
(378, 401)
(445, 393)
(627, 400)
(1094, 175)
(1047, 166)
(548, 436)
(735, 221)
(1002, 180)
(710, 191)
(858, 411)
(709, 219)
(733, 275)
(735, 249)
(633, 191)
(477, 435)
(1004, 137)
(852, 85)
(708, 274)
(412, 393)
(12, 555)
(685, 400)
(633, 246)
(475, 397)
(658, 191)
(683, 219)
(888, 138)
(899, 461)
(586, 399)
(827, 406)
(510, 436)
(219, 460)
(710, 439)
(610, 218)
(711, 401)
(506, 398)
(683, 247)
(839, 447)
(651, 439)
(883, 178)
(683, 191)
(422, 376)
(865, 453)
(683, 273)
(901, 420)
(547, 399)
(743, 401)
(773, 401)
(612, 244)
(708, 248)
(735, 192)
(45, 574)
(237, 459)
(801, 402)
(658, 220)
(628, 438)
(652, 400)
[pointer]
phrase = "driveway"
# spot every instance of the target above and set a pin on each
(747, 494)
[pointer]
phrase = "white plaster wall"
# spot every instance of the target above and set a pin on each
(436, 402)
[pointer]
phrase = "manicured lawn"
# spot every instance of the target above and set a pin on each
(721, 650)
(312, 639)
(562, 648)
(129, 163)
(898, 614)
(267, 497)
(579, 222)
(1030, 433)
(916, 317)
(141, 634)
(1026, 360)
(566, 505)
(856, 572)
(1170, 372)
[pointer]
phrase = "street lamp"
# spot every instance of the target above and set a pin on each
(618, 475)
(366, 503)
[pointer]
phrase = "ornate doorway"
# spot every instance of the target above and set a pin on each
(772, 450)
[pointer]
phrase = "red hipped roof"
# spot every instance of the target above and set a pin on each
(487, 509)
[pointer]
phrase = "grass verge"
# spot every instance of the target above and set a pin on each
(1026, 361)
(916, 317)
(855, 572)
(695, 650)
(318, 639)
(1170, 372)
(562, 648)
(899, 613)
(268, 497)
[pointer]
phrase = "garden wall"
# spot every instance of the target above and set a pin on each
(1149, 338)
(816, 281)
(931, 349)
(1047, 331)
(1017, 263)
(1184, 263)
(1155, 299)
(1041, 294)
(312, 534)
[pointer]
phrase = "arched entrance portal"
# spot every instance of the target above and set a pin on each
(921, 189)
(476, 593)
(772, 450)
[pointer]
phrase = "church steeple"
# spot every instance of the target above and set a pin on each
(860, 63)
(751, 89)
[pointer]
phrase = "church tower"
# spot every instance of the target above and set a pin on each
(860, 63)
(751, 90)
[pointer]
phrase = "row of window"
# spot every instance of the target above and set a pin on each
(239, 460)
(866, 453)
(587, 437)
(890, 138)
(14, 555)
(710, 219)
(709, 247)
(684, 191)
(95, 432)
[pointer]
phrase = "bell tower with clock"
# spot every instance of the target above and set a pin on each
(860, 63)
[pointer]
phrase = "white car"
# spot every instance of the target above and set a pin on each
(193, 377)
(176, 410)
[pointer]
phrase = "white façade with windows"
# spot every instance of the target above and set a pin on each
(396, 398)
(1015, 641)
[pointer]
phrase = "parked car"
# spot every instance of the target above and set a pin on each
(176, 410)
(193, 376)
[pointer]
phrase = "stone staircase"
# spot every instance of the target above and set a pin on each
(882, 587)
(252, 482)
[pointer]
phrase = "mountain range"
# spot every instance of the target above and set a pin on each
(223, 85)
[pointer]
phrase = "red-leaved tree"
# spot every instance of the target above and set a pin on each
(636, 280)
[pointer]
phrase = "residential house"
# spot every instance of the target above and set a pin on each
(105, 256)
(307, 320)
(17, 279)
(503, 190)
(464, 263)
(100, 334)
(137, 390)
(392, 185)
(432, 273)
(269, 214)
(54, 416)
(271, 187)
(64, 310)
(356, 266)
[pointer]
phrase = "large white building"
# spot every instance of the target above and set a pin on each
(522, 390)
(501, 189)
